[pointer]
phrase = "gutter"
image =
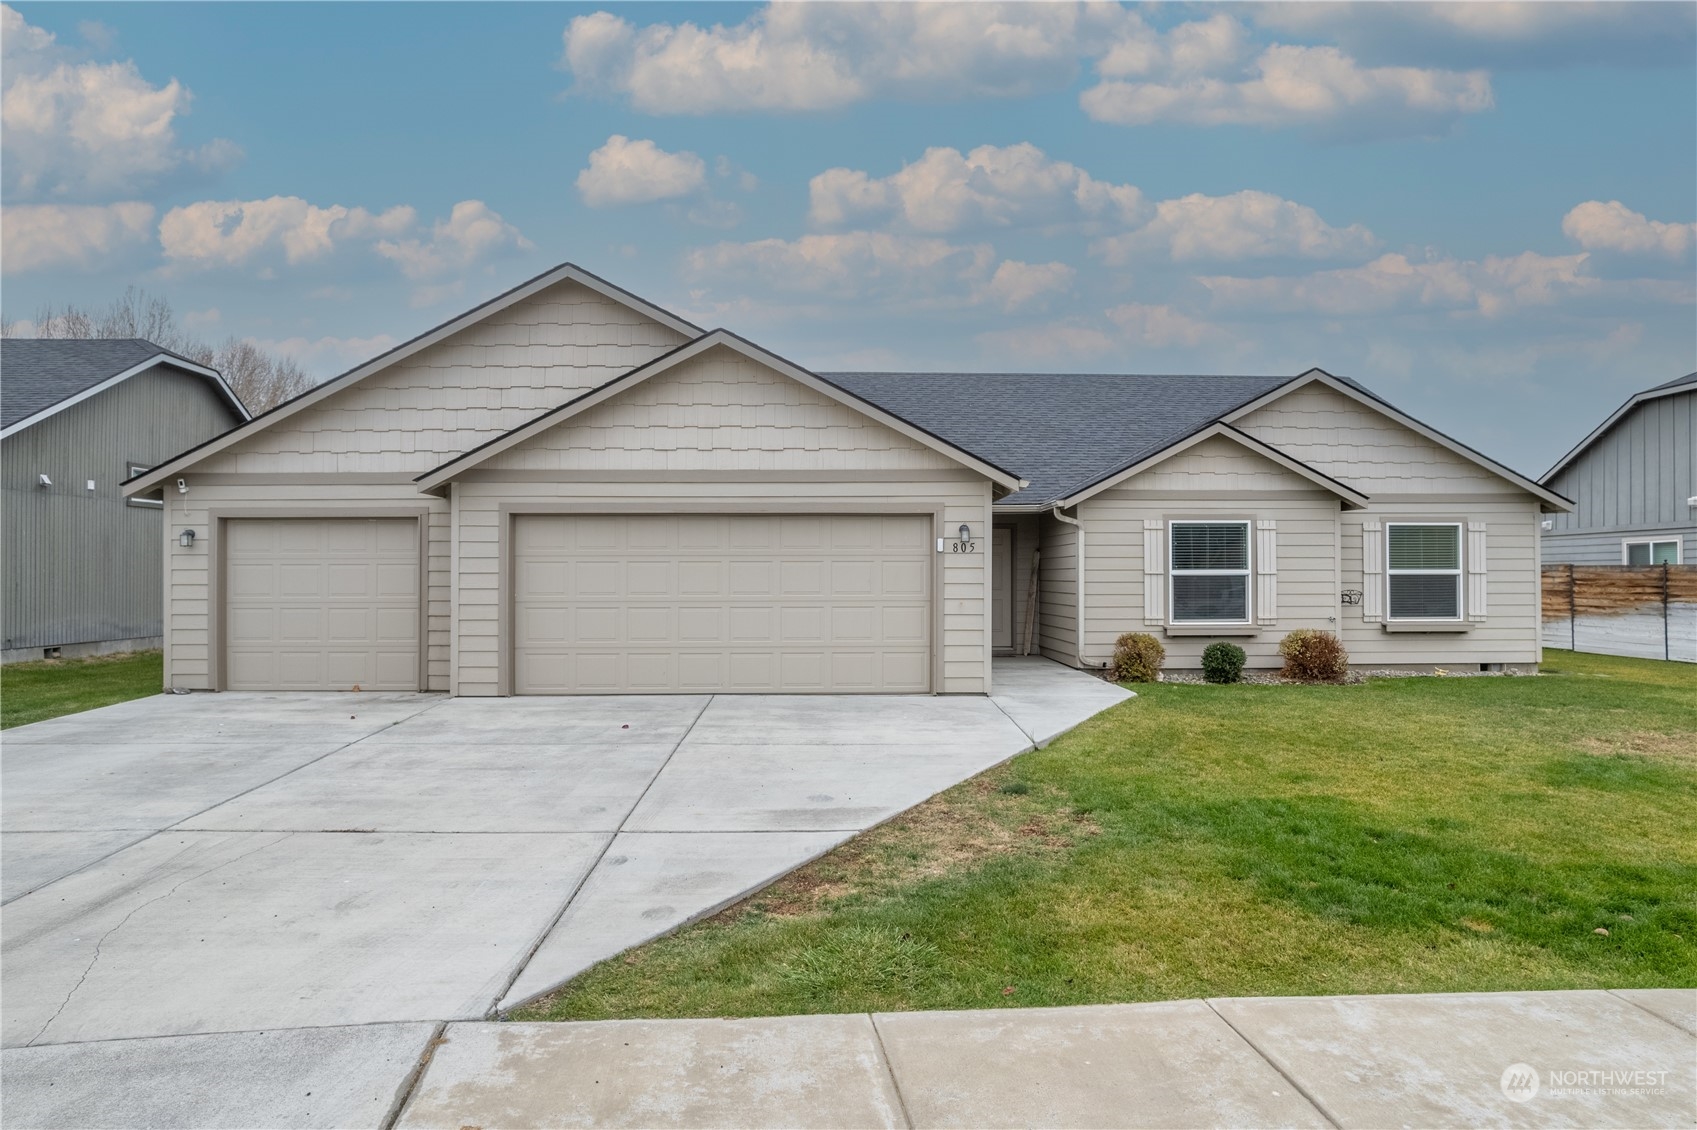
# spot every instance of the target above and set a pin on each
(1078, 586)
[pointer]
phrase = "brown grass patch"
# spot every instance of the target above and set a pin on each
(1643, 743)
(953, 831)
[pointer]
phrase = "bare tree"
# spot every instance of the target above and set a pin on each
(262, 380)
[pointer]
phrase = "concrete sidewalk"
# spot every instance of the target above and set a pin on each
(1580, 1058)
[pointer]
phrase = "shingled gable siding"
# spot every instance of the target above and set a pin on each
(716, 415)
(1408, 476)
(1216, 478)
(400, 422)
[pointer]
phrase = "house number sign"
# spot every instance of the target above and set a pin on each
(1352, 596)
(957, 545)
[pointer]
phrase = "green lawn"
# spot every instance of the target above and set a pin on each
(30, 692)
(1405, 835)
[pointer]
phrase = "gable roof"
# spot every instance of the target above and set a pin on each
(1062, 431)
(48, 375)
(1687, 383)
(1352, 498)
(666, 361)
(1552, 502)
(565, 272)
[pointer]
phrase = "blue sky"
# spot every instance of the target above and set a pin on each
(1483, 211)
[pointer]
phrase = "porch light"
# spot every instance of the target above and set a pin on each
(966, 533)
(186, 539)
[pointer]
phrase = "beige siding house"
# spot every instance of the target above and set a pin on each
(570, 490)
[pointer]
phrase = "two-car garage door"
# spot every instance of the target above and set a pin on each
(750, 603)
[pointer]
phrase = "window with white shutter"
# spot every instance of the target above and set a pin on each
(1423, 570)
(1476, 571)
(1208, 572)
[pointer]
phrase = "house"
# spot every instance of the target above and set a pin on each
(1634, 484)
(571, 490)
(83, 563)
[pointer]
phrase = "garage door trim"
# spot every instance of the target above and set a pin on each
(506, 582)
(218, 517)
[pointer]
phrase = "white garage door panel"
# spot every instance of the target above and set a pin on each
(321, 604)
(721, 603)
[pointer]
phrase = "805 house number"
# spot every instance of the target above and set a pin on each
(965, 543)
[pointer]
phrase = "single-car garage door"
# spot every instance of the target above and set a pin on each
(718, 602)
(315, 604)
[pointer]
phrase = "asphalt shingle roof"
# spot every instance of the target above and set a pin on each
(1060, 431)
(1687, 379)
(37, 373)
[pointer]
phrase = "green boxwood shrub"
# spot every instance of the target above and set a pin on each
(1223, 662)
(1138, 657)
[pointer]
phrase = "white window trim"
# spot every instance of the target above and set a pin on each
(1458, 573)
(131, 470)
(1247, 572)
(1678, 548)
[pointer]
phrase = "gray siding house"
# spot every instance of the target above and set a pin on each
(571, 490)
(1634, 484)
(83, 563)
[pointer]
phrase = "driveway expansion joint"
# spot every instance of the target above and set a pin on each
(1307, 1095)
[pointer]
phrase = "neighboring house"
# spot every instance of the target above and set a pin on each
(83, 564)
(571, 490)
(1634, 484)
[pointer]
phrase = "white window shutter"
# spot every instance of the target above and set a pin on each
(1476, 571)
(1266, 571)
(1154, 573)
(1372, 570)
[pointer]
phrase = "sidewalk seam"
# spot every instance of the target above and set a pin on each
(1313, 1101)
(890, 1070)
(1642, 1009)
(409, 1085)
(524, 963)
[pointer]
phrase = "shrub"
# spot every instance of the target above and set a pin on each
(1137, 658)
(1313, 656)
(1222, 662)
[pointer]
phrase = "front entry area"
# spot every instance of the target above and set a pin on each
(321, 604)
(741, 603)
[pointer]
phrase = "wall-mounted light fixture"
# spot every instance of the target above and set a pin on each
(91, 484)
(1548, 523)
(43, 480)
(965, 532)
(182, 486)
(186, 539)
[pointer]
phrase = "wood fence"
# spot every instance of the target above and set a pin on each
(1647, 611)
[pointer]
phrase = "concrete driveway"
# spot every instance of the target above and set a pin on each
(244, 863)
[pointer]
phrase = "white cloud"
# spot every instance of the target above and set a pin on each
(1504, 33)
(638, 172)
(1491, 287)
(796, 57)
(1047, 344)
(1017, 284)
(472, 233)
(990, 187)
(1597, 226)
(1243, 225)
(36, 236)
(856, 264)
(75, 130)
(1206, 73)
(1158, 326)
(229, 233)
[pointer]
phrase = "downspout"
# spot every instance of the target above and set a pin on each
(1078, 586)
